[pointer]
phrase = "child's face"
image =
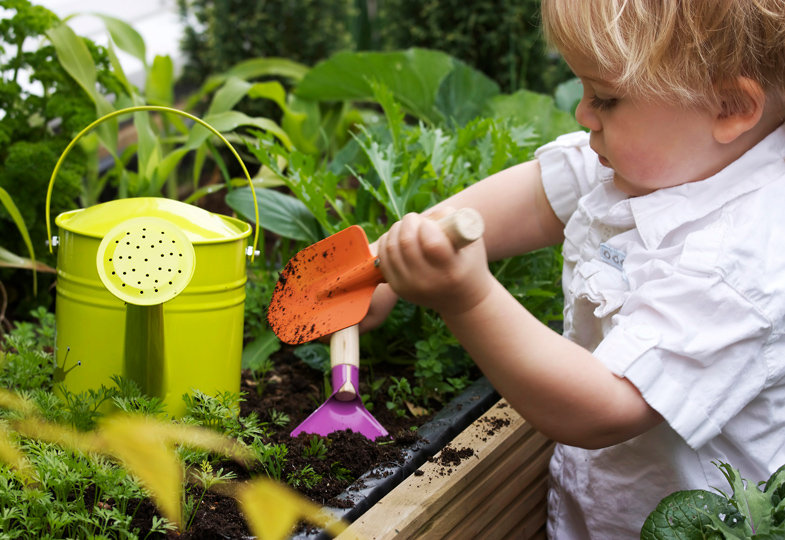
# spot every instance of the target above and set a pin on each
(650, 144)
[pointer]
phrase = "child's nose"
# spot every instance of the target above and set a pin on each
(586, 116)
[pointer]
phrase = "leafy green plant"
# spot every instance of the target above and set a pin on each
(747, 512)
(399, 392)
(316, 449)
(305, 476)
(272, 457)
(204, 478)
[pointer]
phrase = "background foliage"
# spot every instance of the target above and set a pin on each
(501, 38)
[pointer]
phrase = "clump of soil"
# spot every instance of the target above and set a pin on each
(296, 390)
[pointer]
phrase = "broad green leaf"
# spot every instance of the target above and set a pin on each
(687, 515)
(537, 110)
(265, 67)
(228, 95)
(166, 166)
(414, 76)
(568, 94)
(463, 94)
(281, 214)
(149, 146)
(753, 504)
(272, 90)
(259, 350)
(749, 512)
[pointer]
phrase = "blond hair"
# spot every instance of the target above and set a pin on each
(688, 51)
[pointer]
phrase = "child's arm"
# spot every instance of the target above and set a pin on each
(517, 216)
(555, 384)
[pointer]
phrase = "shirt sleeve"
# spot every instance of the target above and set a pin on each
(569, 170)
(696, 380)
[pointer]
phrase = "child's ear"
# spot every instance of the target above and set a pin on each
(741, 111)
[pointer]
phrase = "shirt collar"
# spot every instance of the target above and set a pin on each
(662, 211)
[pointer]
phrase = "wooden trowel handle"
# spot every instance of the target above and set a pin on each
(462, 227)
(345, 349)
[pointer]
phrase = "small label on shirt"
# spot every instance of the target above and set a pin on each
(612, 256)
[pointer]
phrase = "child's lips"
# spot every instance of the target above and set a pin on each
(604, 162)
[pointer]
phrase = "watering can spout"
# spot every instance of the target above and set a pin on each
(145, 262)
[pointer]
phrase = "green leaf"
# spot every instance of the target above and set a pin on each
(463, 94)
(315, 355)
(12, 260)
(537, 110)
(16, 216)
(697, 514)
(159, 87)
(251, 69)
(229, 121)
(414, 76)
(125, 37)
(568, 94)
(281, 214)
(259, 350)
(74, 56)
(687, 515)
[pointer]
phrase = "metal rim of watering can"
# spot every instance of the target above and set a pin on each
(252, 251)
(145, 261)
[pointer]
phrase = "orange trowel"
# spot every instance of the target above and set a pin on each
(328, 286)
(326, 289)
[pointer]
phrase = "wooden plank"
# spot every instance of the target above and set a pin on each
(436, 499)
(489, 498)
(513, 494)
(525, 518)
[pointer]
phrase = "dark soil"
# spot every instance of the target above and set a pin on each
(297, 390)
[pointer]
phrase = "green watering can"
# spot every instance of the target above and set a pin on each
(152, 289)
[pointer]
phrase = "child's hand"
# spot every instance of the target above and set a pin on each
(423, 267)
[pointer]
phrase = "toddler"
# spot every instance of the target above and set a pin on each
(671, 214)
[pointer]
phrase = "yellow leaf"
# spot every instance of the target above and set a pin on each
(12, 400)
(146, 447)
(141, 446)
(272, 510)
(35, 428)
(415, 410)
(11, 455)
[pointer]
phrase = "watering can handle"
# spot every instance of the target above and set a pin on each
(142, 108)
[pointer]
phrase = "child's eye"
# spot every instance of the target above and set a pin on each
(602, 104)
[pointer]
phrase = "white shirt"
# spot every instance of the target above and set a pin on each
(682, 292)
